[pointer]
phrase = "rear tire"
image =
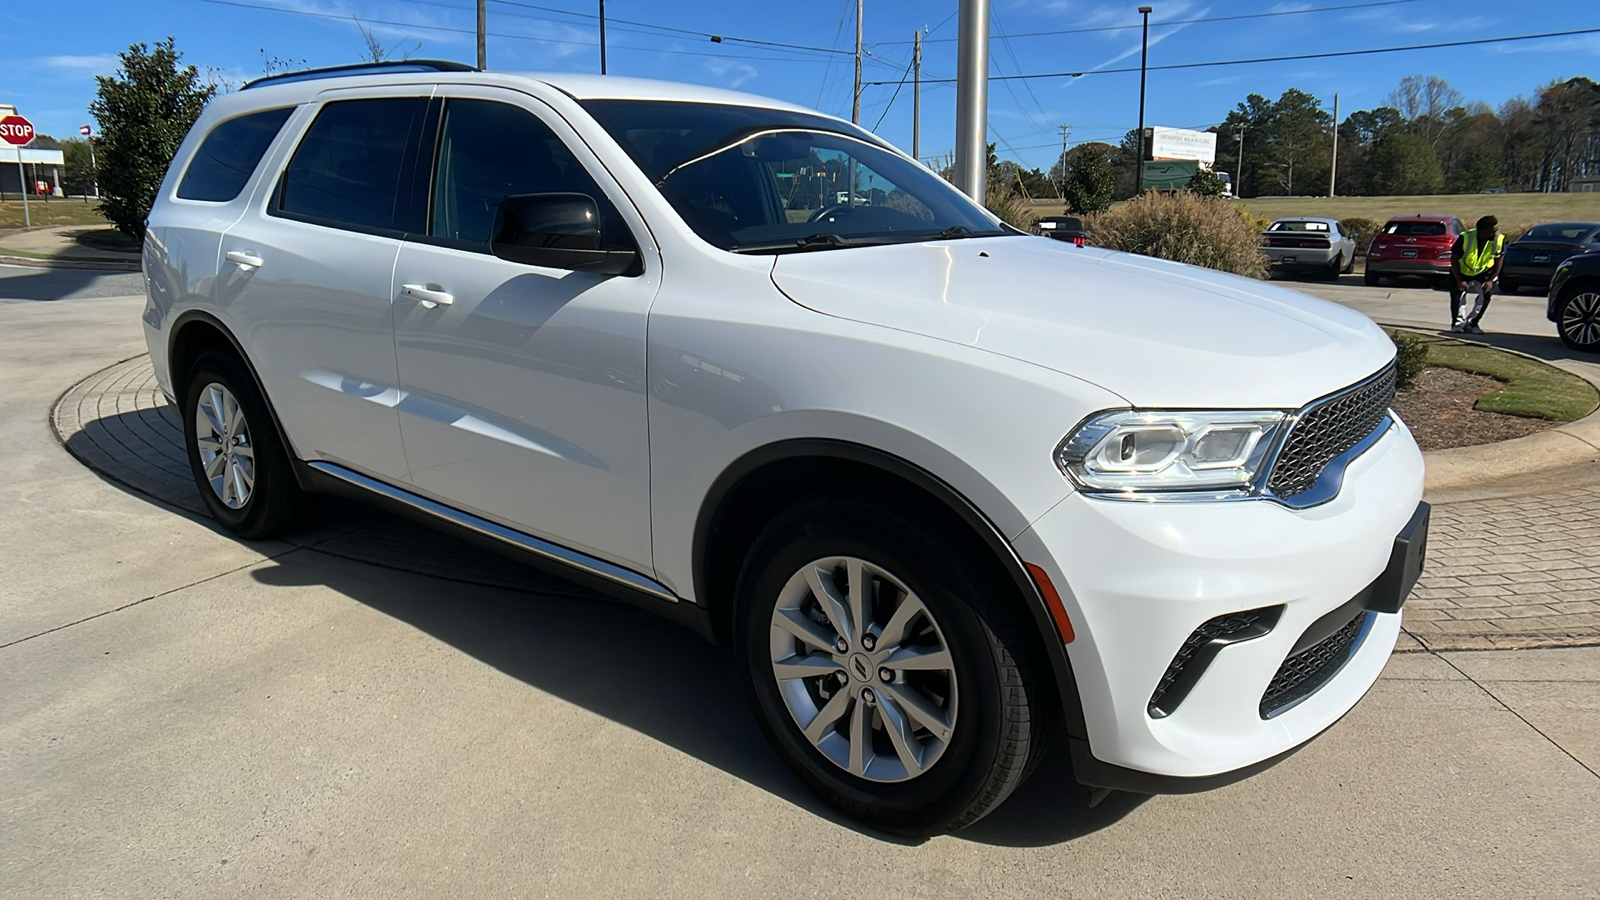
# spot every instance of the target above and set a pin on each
(1509, 286)
(1331, 271)
(949, 733)
(1371, 278)
(238, 459)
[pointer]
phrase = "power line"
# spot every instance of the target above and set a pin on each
(892, 97)
(717, 38)
(518, 37)
(1269, 59)
(1174, 22)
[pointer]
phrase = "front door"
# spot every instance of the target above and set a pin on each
(524, 388)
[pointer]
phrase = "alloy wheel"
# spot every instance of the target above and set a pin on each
(1580, 319)
(864, 669)
(223, 438)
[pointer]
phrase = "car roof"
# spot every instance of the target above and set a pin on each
(1423, 217)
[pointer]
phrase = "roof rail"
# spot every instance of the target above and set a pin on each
(368, 68)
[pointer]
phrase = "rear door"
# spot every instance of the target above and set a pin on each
(524, 388)
(306, 275)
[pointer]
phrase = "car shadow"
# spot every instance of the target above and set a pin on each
(614, 660)
(49, 285)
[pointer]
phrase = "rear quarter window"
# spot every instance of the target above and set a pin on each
(229, 154)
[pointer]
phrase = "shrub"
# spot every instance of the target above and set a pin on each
(1205, 183)
(1410, 356)
(1011, 208)
(1090, 184)
(1362, 230)
(1182, 227)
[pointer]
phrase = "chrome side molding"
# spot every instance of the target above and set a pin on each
(528, 542)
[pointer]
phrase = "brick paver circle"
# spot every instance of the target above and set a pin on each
(1521, 572)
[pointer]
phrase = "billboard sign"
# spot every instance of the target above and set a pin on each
(1180, 143)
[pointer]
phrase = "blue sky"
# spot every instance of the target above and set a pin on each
(48, 54)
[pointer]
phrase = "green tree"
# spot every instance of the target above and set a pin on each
(143, 111)
(1090, 184)
(1404, 163)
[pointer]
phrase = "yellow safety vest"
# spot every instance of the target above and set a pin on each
(1475, 259)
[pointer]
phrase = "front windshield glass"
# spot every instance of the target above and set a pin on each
(755, 180)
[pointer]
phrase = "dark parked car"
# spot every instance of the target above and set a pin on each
(1413, 245)
(1575, 301)
(1063, 228)
(1532, 258)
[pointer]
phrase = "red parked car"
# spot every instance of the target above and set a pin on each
(1413, 245)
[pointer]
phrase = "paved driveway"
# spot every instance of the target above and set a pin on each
(184, 714)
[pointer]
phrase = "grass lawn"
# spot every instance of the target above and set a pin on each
(1516, 212)
(1532, 389)
(56, 212)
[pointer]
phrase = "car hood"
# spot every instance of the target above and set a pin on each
(1155, 332)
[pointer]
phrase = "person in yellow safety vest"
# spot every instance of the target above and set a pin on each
(1475, 262)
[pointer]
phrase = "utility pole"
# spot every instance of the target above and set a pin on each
(972, 99)
(855, 104)
(1333, 167)
(1061, 187)
(916, 98)
(1144, 57)
(483, 31)
(602, 37)
(1238, 132)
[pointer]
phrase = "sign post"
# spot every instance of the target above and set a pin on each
(17, 131)
(94, 175)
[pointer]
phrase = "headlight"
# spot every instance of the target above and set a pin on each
(1139, 451)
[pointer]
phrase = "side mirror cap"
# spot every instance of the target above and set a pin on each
(556, 231)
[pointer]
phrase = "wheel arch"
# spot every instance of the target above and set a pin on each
(194, 332)
(765, 480)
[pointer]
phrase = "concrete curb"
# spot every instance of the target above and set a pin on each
(1555, 459)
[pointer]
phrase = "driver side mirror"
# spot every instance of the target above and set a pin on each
(557, 231)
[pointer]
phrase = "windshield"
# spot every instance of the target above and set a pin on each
(755, 180)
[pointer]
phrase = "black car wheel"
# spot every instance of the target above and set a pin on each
(886, 668)
(1578, 319)
(1509, 286)
(1371, 278)
(239, 460)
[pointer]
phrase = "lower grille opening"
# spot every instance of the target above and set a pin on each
(1200, 648)
(1303, 673)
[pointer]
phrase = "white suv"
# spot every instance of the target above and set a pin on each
(946, 489)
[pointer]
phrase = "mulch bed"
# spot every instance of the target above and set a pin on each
(1438, 410)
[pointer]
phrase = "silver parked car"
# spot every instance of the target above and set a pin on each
(1307, 244)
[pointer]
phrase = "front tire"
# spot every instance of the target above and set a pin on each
(1578, 318)
(238, 459)
(888, 670)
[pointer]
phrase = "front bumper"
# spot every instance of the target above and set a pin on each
(1140, 578)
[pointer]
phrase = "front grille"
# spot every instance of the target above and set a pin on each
(1201, 647)
(1303, 673)
(1327, 429)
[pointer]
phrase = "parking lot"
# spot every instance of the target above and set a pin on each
(375, 710)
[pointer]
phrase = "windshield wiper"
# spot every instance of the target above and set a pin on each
(822, 240)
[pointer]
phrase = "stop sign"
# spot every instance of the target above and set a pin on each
(16, 130)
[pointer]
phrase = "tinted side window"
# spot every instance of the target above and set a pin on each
(349, 168)
(488, 150)
(229, 154)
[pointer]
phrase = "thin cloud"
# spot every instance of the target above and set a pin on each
(731, 73)
(102, 62)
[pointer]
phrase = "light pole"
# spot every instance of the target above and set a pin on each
(972, 98)
(1144, 56)
(1238, 132)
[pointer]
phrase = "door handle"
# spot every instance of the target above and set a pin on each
(244, 259)
(426, 296)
